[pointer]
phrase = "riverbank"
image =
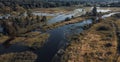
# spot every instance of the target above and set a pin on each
(26, 44)
(27, 39)
(58, 24)
(97, 44)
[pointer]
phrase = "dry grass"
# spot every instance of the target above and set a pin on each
(31, 38)
(118, 22)
(49, 17)
(93, 46)
(3, 38)
(26, 56)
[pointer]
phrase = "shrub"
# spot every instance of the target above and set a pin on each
(103, 28)
(67, 19)
(108, 45)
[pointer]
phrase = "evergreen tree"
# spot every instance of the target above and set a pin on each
(94, 11)
(43, 19)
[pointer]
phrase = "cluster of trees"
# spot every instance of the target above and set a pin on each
(93, 12)
(7, 9)
(114, 4)
(18, 25)
(46, 3)
(38, 3)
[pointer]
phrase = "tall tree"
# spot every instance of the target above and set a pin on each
(44, 18)
(94, 11)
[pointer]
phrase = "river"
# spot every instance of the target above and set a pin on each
(57, 39)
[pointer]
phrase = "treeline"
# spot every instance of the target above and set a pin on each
(37, 3)
(115, 4)
(8, 9)
(47, 4)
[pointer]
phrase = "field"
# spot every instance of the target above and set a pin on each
(98, 44)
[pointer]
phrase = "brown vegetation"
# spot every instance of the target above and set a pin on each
(31, 39)
(26, 56)
(98, 44)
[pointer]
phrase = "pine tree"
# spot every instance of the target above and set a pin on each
(94, 11)
(44, 18)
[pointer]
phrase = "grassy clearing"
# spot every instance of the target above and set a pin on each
(93, 45)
